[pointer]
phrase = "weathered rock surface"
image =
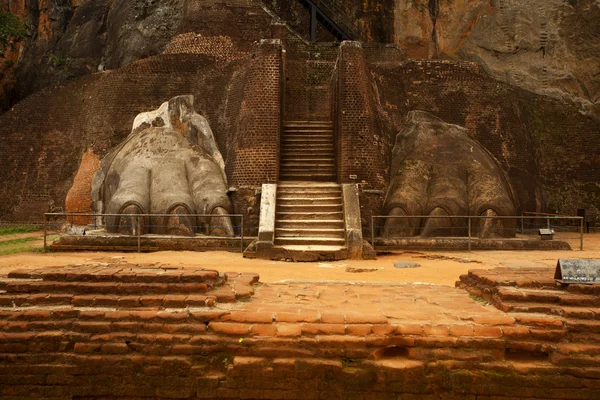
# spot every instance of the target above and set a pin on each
(551, 47)
(74, 38)
(438, 170)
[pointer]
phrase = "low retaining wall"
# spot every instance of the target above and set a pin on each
(133, 332)
(156, 243)
(463, 244)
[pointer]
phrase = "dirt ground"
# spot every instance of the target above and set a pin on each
(436, 267)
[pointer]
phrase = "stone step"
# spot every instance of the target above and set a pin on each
(310, 132)
(292, 156)
(114, 288)
(575, 360)
(112, 274)
(312, 241)
(310, 185)
(538, 320)
(309, 207)
(304, 141)
(307, 135)
(290, 147)
(308, 160)
(308, 194)
(299, 167)
(318, 215)
(571, 312)
(308, 191)
(285, 200)
(307, 171)
(593, 290)
(119, 300)
(313, 148)
(307, 123)
(525, 278)
(309, 232)
(583, 326)
(547, 296)
(311, 177)
(309, 224)
(296, 164)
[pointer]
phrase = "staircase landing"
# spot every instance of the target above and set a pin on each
(307, 151)
(309, 222)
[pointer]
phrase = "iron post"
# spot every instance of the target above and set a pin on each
(581, 234)
(373, 232)
(469, 234)
(45, 230)
(242, 233)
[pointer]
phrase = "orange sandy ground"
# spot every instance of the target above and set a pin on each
(437, 267)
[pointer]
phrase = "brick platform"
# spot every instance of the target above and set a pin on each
(567, 317)
(108, 331)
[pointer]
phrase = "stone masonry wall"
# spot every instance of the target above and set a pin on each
(551, 170)
(308, 74)
(361, 152)
(548, 149)
(256, 157)
(45, 135)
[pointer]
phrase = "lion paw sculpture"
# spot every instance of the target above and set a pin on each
(169, 165)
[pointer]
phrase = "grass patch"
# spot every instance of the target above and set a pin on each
(7, 243)
(12, 230)
(480, 299)
(18, 250)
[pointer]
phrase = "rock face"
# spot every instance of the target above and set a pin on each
(438, 170)
(551, 47)
(170, 164)
(74, 38)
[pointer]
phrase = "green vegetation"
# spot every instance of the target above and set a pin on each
(11, 27)
(17, 250)
(60, 62)
(12, 230)
(7, 243)
(480, 299)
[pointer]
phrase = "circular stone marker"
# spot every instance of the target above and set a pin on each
(406, 264)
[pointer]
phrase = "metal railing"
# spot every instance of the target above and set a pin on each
(51, 219)
(521, 228)
(336, 15)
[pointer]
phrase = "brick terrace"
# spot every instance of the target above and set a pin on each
(108, 331)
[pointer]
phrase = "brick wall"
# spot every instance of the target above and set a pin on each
(308, 79)
(244, 21)
(45, 135)
(256, 143)
(362, 150)
(549, 150)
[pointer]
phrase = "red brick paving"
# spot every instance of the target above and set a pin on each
(350, 340)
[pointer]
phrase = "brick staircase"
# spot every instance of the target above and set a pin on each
(564, 320)
(310, 219)
(309, 212)
(307, 151)
(123, 286)
(137, 335)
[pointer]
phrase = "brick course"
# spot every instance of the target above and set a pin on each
(256, 349)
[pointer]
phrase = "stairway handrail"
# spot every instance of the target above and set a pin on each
(336, 15)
